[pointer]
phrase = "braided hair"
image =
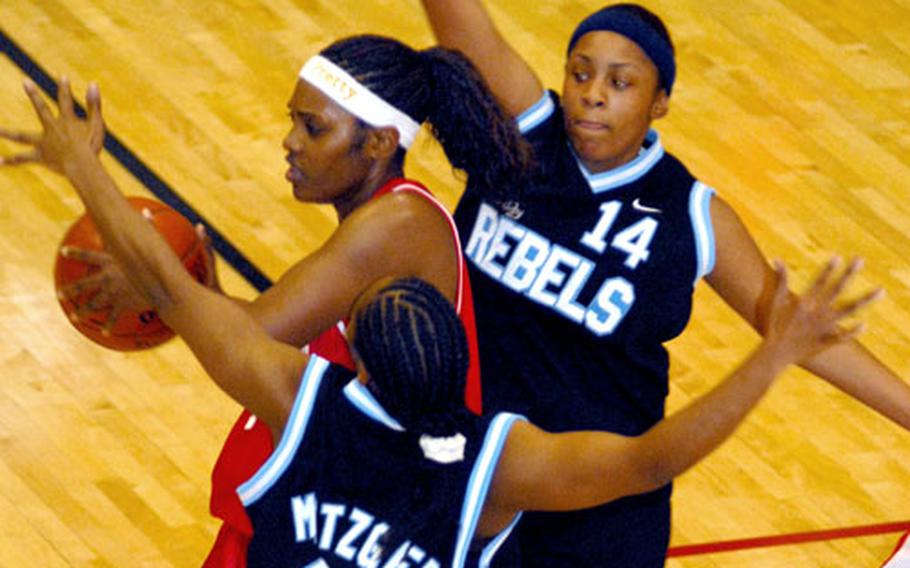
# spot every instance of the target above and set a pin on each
(413, 346)
(443, 87)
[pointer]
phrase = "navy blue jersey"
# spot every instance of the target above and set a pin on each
(577, 285)
(348, 486)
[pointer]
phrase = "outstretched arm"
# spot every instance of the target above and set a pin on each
(465, 25)
(320, 289)
(260, 373)
(577, 470)
(743, 279)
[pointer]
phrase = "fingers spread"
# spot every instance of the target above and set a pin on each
(87, 256)
(23, 158)
(41, 108)
(20, 137)
(74, 289)
(85, 309)
(818, 287)
(102, 299)
(65, 98)
(852, 307)
(840, 284)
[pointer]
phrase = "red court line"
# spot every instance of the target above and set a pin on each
(785, 539)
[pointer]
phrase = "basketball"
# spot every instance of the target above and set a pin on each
(134, 329)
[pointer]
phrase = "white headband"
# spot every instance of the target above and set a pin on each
(357, 99)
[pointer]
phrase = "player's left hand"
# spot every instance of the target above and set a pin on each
(211, 267)
(109, 287)
(63, 135)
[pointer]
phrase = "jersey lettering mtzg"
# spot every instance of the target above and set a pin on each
(339, 489)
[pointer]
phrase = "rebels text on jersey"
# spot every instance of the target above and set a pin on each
(599, 268)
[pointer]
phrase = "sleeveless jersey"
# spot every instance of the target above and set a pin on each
(577, 285)
(249, 443)
(340, 488)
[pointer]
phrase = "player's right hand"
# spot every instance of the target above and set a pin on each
(62, 136)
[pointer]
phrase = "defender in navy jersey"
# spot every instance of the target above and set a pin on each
(339, 489)
(580, 280)
(605, 260)
(605, 266)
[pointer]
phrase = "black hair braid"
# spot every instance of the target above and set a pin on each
(414, 348)
(441, 86)
(476, 134)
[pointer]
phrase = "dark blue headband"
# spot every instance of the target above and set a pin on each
(619, 19)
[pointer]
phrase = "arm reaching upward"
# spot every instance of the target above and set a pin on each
(258, 372)
(466, 25)
(575, 470)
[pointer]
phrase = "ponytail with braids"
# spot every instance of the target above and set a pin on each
(477, 136)
(442, 87)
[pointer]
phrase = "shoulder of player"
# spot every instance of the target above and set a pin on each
(383, 226)
(397, 213)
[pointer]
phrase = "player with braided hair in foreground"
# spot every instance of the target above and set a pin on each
(339, 488)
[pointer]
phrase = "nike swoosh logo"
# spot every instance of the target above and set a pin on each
(639, 207)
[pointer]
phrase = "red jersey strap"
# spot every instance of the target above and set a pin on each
(332, 344)
(401, 184)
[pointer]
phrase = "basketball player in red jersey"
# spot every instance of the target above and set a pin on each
(355, 110)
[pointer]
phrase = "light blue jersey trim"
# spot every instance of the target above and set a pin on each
(479, 483)
(493, 547)
(702, 228)
(363, 399)
(536, 115)
(252, 489)
(626, 173)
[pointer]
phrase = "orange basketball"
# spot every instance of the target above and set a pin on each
(133, 330)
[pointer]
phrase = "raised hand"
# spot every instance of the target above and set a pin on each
(62, 135)
(801, 326)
